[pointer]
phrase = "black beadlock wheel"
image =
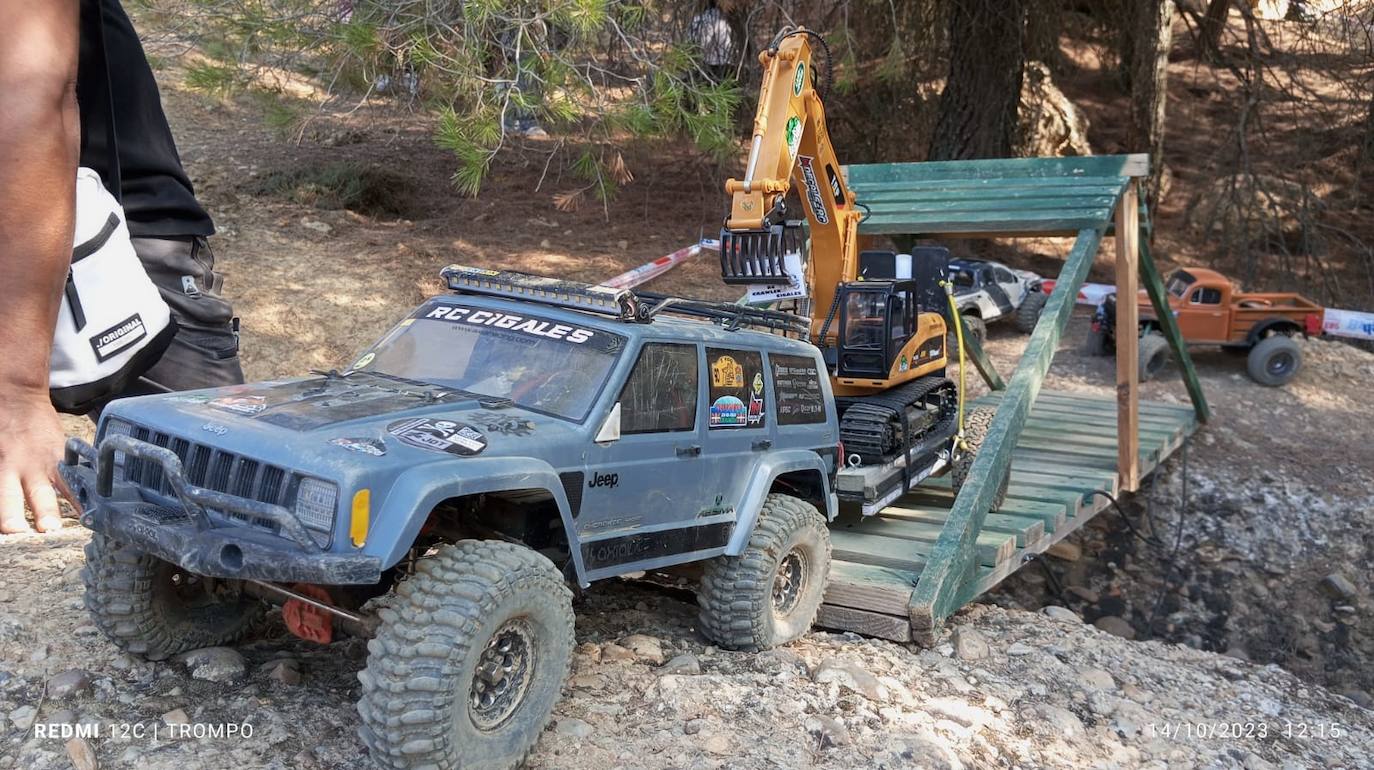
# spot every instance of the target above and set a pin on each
(1274, 360)
(469, 659)
(769, 594)
(977, 328)
(976, 424)
(1028, 315)
(154, 609)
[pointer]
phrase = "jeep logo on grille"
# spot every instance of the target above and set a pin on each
(215, 428)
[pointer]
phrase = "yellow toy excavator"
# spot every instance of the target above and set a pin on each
(877, 316)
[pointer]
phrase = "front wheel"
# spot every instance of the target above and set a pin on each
(768, 595)
(977, 328)
(1274, 361)
(976, 425)
(469, 659)
(155, 609)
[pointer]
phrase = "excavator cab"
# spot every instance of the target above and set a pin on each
(876, 320)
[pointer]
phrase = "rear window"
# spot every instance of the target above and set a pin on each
(798, 399)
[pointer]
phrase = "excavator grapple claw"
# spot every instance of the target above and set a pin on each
(756, 256)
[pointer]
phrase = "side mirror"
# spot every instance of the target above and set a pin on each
(610, 428)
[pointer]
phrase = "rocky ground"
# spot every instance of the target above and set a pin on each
(1007, 688)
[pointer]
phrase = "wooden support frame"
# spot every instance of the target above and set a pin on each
(980, 359)
(951, 563)
(1127, 344)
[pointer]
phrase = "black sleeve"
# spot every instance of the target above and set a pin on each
(157, 195)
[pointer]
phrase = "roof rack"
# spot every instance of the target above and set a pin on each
(622, 304)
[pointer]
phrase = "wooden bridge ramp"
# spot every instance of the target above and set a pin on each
(1067, 450)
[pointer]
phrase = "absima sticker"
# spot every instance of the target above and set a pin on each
(439, 436)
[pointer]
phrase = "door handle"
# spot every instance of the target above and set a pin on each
(763, 444)
(693, 450)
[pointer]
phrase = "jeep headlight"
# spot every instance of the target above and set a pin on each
(117, 427)
(316, 503)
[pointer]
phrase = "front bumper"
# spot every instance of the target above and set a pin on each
(189, 537)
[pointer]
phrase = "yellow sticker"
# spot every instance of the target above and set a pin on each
(407, 322)
(365, 360)
(727, 373)
(758, 383)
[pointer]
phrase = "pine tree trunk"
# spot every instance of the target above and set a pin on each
(977, 117)
(1151, 37)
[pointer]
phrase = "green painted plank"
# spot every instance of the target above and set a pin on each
(1180, 412)
(868, 587)
(992, 546)
(987, 222)
(1024, 529)
(1053, 514)
(893, 553)
(995, 186)
(950, 566)
(1070, 205)
(1079, 166)
(952, 192)
(1154, 286)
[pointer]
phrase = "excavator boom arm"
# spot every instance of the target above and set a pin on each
(791, 146)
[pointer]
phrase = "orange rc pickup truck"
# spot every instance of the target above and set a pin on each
(1210, 310)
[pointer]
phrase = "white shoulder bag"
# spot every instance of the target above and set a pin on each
(113, 324)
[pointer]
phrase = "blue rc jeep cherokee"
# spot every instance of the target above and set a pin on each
(505, 441)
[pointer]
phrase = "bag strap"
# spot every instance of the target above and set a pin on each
(111, 175)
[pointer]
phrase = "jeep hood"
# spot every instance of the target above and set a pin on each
(291, 422)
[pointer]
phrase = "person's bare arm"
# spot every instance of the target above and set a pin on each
(39, 144)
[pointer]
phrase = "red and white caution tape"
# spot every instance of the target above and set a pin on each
(651, 270)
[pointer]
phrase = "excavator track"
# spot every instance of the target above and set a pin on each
(871, 426)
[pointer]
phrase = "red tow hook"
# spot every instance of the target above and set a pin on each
(306, 620)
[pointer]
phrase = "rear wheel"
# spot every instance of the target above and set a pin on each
(977, 328)
(976, 424)
(469, 659)
(1154, 354)
(1028, 315)
(1096, 344)
(769, 594)
(1274, 361)
(155, 609)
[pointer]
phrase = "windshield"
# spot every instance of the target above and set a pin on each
(963, 279)
(548, 366)
(1179, 281)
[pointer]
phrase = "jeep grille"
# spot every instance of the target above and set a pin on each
(205, 466)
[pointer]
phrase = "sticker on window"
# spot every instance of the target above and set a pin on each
(439, 435)
(737, 389)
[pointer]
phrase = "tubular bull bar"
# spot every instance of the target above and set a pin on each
(196, 541)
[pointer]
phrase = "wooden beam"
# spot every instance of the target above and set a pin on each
(950, 566)
(980, 359)
(1154, 286)
(1127, 358)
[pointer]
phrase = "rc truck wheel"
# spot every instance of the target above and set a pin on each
(976, 424)
(769, 594)
(977, 328)
(469, 659)
(1154, 354)
(1096, 343)
(155, 609)
(1274, 361)
(1029, 313)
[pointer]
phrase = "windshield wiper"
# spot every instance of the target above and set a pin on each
(429, 387)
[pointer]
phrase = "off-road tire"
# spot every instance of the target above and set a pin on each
(1096, 343)
(1028, 315)
(1274, 360)
(738, 594)
(1153, 355)
(976, 424)
(417, 690)
(977, 328)
(133, 600)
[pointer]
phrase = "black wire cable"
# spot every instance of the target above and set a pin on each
(823, 86)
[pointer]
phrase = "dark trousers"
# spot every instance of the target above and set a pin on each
(205, 351)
